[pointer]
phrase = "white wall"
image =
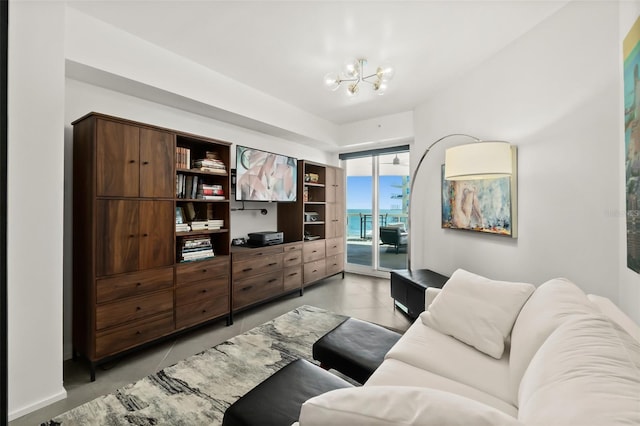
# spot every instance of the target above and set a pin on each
(629, 280)
(35, 205)
(555, 94)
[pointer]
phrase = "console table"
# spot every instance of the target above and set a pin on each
(408, 288)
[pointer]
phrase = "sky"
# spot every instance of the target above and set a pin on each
(359, 192)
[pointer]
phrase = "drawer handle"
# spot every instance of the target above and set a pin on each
(138, 332)
(132, 161)
(292, 259)
(315, 270)
(204, 271)
(131, 235)
(145, 235)
(145, 162)
(204, 291)
(334, 247)
(138, 284)
(272, 280)
(138, 308)
(272, 264)
(315, 251)
(204, 311)
(247, 288)
(293, 274)
(247, 269)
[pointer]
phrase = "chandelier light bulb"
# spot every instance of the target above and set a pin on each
(385, 72)
(353, 90)
(332, 81)
(352, 68)
(380, 87)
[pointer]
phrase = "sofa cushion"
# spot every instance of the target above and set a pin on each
(550, 305)
(397, 373)
(428, 349)
(611, 311)
(586, 373)
(399, 405)
(477, 310)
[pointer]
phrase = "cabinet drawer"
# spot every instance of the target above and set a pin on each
(200, 311)
(314, 271)
(292, 247)
(292, 258)
(131, 335)
(335, 246)
(252, 253)
(313, 251)
(292, 277)
(197, 271)
(335, 264)
(255, 289)
(134, 284)
(135, 308)
(259, 265)
(207, 289)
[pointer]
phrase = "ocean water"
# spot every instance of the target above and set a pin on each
(359, 221)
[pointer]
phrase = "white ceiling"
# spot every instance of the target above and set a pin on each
(284, 48)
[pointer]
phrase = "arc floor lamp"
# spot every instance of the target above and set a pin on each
(476, 160)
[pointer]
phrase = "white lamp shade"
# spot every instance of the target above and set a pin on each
(481, 160)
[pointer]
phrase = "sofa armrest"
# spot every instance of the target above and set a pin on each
(430, 293)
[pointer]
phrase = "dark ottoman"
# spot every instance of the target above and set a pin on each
(277, 401)
(355, 348)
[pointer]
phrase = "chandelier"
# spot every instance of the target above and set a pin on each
(354, 74)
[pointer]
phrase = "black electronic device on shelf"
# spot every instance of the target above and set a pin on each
(265, 238)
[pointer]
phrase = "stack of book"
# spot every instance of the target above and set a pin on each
(196, 248)
(210, 192)
(211, 163)
(215, 224)
(199, 225)
(183, 157)
(182, 227)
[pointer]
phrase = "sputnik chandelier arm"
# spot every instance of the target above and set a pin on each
(353, 74)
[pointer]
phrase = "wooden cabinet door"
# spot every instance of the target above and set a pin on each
(157, 159)
(335, 202)
(156, 234)
(117, 160)
(117, 242)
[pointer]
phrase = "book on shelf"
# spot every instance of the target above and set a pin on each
(182, 227)
(190, 212)
(183, 157)
(211, 197)
(196, 248)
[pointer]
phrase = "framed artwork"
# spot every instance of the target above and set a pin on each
(484, 205)
(631, 52)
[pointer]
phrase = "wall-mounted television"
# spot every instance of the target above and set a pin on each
(265, 176)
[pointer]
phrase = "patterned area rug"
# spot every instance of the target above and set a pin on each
(198, 390)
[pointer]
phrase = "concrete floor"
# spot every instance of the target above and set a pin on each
(358, 296)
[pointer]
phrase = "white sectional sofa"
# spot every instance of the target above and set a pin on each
(498, 353)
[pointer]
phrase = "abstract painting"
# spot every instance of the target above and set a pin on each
(631, 51)
(484, 205)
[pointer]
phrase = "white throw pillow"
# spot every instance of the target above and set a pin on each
(399, 405)
(477, 311)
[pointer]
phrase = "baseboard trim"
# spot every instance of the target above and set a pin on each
(38, 405)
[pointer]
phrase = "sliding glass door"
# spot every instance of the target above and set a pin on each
(377, 191)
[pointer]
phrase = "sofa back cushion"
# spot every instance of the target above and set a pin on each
(551, 304)
(611, 311)
(586, 373)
